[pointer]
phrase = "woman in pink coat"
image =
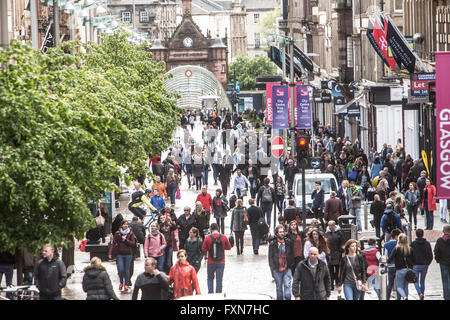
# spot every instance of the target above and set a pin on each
(154, 245)
(429, 203)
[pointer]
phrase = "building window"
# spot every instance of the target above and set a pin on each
(349, 52)
(203, 65)
(256, 18)
(257, 40)
(144, 17)
(223, 68)
(126, 16)
(398, 6)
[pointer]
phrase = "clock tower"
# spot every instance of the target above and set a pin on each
(188, 46)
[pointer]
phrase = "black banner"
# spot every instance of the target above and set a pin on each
(401, 51)
(304, 59)
(48, 40)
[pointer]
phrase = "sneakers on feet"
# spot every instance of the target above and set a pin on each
(121, 287)
(125, 288)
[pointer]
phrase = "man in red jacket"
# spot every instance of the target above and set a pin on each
(206, 200)
(215, 244)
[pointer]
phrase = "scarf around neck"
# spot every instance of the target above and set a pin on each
(124, 232)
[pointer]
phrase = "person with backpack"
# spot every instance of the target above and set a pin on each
(424, 257)
(193, 247)
(215, 245)
(373, 257)
(388, 247)
(389, 222)
(140, 198)
(281, 260)
(154, 245)
(157, 200)
(265, 199)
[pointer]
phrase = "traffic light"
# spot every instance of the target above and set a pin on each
(302, 147)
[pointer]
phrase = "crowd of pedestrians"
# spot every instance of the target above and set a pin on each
(306, 263)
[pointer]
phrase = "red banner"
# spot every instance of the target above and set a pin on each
(443, 125)
(380, 35)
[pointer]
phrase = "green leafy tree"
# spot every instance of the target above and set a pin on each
(245, 70)
(268, 25)
(68, 124)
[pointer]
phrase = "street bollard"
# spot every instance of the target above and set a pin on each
(383, 278)
(366, 218)
(408, 233)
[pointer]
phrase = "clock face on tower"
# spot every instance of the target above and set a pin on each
(188, 42)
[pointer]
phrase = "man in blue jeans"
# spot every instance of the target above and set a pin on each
(281, 259)
(442, 256)
(387, 249)
(215, 245)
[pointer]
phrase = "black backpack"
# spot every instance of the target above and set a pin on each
(216, 251)
(263, 227)
(136, 196)
(391, 222)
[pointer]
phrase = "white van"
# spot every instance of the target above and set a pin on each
(328, 180)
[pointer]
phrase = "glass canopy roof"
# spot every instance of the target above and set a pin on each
(196, 84)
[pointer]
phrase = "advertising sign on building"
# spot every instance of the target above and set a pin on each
(419, 83)
(304, 117)
(280, 105)
(443, 125)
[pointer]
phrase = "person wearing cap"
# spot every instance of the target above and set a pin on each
(138, 200)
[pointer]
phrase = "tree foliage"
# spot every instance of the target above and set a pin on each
(245, 70)
(68, 124)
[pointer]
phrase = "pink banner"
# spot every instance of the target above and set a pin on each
(269, 100)
(443, 125)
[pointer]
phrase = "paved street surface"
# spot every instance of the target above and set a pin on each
(243, 274)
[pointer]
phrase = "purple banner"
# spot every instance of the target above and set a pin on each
(280, 104)
(304, 118)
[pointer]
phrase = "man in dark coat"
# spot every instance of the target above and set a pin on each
(185, 222)
(152, 283)
(318, 197)
(289, 175)
(333, 208)
(50, 275)
(377, 210)
(336, 241)
(96, 282)
(311, 278)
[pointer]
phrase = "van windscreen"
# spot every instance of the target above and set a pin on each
(327, 185)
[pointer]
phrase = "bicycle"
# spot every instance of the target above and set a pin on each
(26, 292)
(149, 218)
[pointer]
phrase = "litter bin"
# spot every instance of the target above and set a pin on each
(348, 227)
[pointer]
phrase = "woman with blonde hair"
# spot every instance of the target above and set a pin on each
(96, 282)
(352, 271)
(404, 259)
(183, 277)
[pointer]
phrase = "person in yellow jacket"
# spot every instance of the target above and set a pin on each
(138, 200)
